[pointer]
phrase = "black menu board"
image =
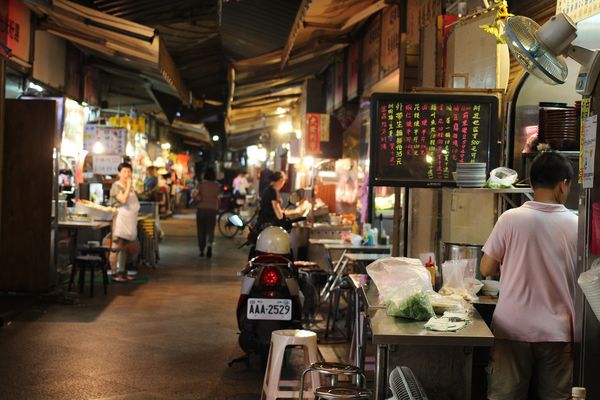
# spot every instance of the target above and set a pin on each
(417, 139)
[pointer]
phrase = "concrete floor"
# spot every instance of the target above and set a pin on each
(169, 336)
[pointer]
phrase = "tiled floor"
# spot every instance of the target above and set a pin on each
(168, 338)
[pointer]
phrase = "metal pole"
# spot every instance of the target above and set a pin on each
(2, 123)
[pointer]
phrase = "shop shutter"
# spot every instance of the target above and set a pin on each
(538, 10)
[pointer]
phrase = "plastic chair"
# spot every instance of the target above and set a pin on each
(280, 339)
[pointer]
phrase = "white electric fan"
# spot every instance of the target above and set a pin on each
(540, 50)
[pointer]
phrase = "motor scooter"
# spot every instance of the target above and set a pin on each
(270, 296)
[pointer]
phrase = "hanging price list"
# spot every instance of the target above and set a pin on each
(416, 139)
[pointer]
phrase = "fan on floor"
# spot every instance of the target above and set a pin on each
(540, 50)
(405, 386)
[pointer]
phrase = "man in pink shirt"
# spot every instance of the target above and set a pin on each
(535, 248)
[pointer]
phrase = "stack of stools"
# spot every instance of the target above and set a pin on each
(280, 339)
(148, 240)
(90, 258)
(334, 391)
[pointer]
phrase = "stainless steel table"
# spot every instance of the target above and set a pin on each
(401, 333)
(73, 228)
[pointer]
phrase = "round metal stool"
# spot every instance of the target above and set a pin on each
(334, 392)
(342, 393)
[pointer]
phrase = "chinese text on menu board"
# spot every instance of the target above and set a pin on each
(441, 133)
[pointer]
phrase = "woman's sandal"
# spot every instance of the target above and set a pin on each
(118, 278)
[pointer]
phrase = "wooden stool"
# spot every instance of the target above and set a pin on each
(90, 262)
(279, 341)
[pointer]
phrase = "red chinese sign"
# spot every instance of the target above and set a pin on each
(317, 130)
(313, 134)
(15, 29)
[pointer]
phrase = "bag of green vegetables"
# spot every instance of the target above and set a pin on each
(403, 284)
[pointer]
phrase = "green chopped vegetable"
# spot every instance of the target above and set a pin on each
(417, 307)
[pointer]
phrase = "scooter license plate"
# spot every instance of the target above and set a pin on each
(270, 309)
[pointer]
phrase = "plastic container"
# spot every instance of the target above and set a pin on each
(589, 281)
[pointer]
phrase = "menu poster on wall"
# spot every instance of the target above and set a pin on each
(418, 139)
(113, 140)
(106, 164)
(578, 10)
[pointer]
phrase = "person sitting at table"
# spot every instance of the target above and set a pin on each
(124, 234)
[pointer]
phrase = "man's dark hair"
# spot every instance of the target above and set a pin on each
(276, 176)
(210, 175)
(549, 169)
(124, 165)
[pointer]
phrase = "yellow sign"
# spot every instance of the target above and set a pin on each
(133, 124)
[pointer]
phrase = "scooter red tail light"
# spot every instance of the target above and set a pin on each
(270, 276)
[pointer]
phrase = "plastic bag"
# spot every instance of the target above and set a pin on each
(453, 275)
(403, 284)
(501, 178)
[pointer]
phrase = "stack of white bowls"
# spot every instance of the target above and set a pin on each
(470, 175)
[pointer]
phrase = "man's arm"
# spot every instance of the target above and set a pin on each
(489, 266)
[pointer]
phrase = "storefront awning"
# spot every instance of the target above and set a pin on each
(137, 45)
(321, 28)
(197, 132)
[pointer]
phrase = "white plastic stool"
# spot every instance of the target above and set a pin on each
(279, 341)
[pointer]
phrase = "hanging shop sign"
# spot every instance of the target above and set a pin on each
(352, 73)
(390, 39)
(317, 131)
(113, 140)
(371, 53)
(106, 164)
(329, 88)
(578, 10)
(133, 124)
(15, 29)
(90, 86)
(338, 96)
(417, 140)
(73, 129)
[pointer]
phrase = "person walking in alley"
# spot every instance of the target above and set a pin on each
(535, 249)
(206, 196)
(124, 235)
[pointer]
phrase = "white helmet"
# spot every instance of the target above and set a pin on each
(273, 240)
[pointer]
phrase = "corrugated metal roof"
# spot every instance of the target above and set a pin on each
(251, 28)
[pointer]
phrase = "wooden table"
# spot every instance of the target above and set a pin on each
(418, 343)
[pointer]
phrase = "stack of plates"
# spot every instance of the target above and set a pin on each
(470, 174)
(559, 127)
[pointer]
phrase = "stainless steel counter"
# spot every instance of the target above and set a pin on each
(441, 360)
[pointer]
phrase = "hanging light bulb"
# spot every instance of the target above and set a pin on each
(98, 148)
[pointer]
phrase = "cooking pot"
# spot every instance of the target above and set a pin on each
(458, 251)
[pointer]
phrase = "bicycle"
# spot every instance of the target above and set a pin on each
(228, 229)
